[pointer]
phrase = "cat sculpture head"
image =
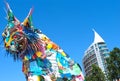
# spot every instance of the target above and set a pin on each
(19, 37)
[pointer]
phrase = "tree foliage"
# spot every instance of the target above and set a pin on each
(96, 74)
(113, 64)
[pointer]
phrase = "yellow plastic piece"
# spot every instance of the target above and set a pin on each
(25, 58)
(63, 53)
(49, 46)
(59, 64)
(25, 22)
(10, 39)
(39, 54)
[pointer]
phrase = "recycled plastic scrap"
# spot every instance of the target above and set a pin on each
(43, 60)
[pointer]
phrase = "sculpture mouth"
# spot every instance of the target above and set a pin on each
(11, 49)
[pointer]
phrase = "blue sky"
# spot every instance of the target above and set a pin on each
(68, 23)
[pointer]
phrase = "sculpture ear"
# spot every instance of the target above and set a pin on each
(28, 21)
(10, 15)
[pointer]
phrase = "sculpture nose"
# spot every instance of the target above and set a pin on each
(7, 46)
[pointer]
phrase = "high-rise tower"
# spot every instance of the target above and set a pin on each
(96, 53)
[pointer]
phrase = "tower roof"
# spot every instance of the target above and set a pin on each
(97, 37)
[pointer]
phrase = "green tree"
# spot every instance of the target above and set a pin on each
(113, 64)
(96, 74)
(88, 78)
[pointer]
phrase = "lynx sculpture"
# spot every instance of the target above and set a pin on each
(42, 59)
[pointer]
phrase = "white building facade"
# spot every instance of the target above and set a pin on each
(96, 53)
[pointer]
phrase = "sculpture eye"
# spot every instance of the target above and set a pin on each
(7, 39)
(14, 37)
(12, 43)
